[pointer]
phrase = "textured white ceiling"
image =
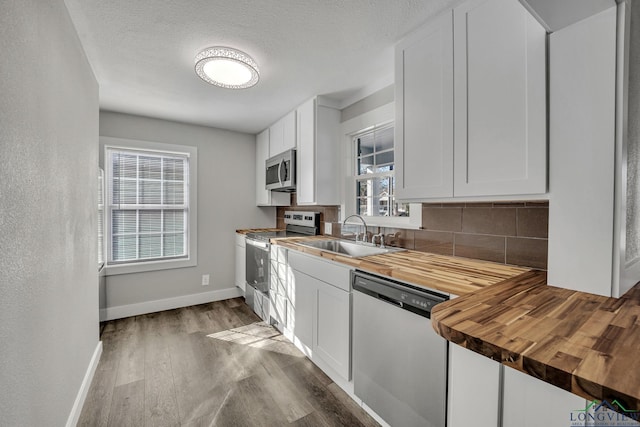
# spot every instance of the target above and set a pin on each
(142, 52)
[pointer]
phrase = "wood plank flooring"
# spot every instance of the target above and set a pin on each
(210, 365)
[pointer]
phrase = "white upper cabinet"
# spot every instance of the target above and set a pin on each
(471, 104)
(424, 112)
(500, 100)
(266, 197)
(318, 154)
(282, 134)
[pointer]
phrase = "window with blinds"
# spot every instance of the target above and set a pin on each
(148, 205)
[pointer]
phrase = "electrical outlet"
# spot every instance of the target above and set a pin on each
(205, 280)
(327, 228)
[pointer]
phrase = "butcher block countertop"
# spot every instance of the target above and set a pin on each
(583, 343)
(257, 230)
(458, 276)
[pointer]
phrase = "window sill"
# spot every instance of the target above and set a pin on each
(398, 222)
(142, 267)
(412, 222)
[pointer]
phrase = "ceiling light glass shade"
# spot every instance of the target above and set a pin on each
(227, 67)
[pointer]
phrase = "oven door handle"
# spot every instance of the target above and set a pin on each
(258, 244)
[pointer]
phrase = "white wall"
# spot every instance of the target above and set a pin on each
(226, 202)
(48, 213)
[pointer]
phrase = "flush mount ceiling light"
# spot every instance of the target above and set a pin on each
(227, 67)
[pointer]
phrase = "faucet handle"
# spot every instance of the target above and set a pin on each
(380, 238)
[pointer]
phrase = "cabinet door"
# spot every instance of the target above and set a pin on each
(283, 134)
(304, 302)
(278, 287)
(289, 134)
(306, 186)
(529, 402)
(332, 337)
(276, 138)
(241, 262)
(424, 112)
(474, 389)
(500, 100)
(265, 197)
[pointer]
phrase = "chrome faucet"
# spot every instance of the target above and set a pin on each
(366, 231)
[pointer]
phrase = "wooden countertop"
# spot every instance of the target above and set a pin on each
(458, 276)
(583, 343)
(257, 230)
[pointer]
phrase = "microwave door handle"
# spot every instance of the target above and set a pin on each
(280, 171)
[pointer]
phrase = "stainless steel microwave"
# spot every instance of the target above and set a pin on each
(281, 172)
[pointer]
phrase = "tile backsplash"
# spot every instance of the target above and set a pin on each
(327, 213)
(506, 232)
(509, 233)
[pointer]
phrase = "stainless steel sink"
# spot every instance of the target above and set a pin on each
(348, 248)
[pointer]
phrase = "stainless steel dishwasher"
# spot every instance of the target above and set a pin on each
(399, 362)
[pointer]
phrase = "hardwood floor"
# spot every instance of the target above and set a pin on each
(210, 365)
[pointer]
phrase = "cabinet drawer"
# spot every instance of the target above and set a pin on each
(330, 272)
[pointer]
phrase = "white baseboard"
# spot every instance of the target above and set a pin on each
(74, 416)
(120, 311)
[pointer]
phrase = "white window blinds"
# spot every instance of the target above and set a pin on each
(148, 205)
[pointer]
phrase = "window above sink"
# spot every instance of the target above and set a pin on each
(370, 172)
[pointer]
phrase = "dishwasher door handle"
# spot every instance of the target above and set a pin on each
(391, 300)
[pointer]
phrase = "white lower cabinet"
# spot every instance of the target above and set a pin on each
(278, 278)
(332, 331)
(241, 262)
(304, 302)
(483, 393)
(323, 313)
(529, 402)
(474, 389)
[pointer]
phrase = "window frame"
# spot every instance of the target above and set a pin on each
(365, 177)
(191, 152)
(381, 116)
(102, 251)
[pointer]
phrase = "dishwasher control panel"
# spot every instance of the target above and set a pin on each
(404, 295)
